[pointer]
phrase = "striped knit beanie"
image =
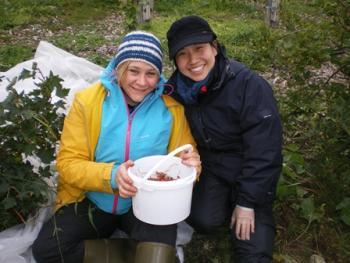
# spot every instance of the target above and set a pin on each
(140, 46)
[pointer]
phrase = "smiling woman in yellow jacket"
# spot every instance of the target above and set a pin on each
(84, 123)
(122, 118)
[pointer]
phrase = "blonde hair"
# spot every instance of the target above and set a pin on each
(121, 70)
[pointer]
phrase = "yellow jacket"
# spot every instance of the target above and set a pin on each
(78, 173)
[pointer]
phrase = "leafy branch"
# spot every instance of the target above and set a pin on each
(30, 127)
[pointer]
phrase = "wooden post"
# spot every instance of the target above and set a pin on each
(271, 14)
(145, 10)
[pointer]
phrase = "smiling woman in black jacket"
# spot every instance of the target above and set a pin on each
(234, 118)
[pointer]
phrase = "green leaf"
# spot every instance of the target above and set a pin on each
(28, 114)
(4, 187)
(343, 204)
(61, 91)
(284, 191)
(29, 148)
(307, 207)
(25, 74)
(345, 215)
(289, 172)
(9, 202)
(344, 208)
(46, 155)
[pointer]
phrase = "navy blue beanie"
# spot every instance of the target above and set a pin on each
(187, 31)
(140, 46)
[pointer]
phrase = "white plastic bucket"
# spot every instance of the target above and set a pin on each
(162, 202)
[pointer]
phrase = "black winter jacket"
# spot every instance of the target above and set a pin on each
(236, 125)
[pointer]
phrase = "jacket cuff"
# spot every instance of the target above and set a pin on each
(245, 208)
(114, 184)
(243, 203)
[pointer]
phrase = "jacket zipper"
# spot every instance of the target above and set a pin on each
(204, 132)
(127, 148)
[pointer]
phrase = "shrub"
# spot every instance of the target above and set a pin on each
(30, 125)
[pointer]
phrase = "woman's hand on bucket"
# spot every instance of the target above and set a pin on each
(191, 158)
(125, 184)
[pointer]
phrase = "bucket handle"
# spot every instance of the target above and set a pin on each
(165, 158)
(189, 178)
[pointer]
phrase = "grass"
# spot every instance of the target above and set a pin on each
(209, 249)
(12, 55)
(82, 42)
(57, 18)
(24, 12)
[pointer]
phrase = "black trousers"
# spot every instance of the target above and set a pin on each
(61, 239)
(213, 201)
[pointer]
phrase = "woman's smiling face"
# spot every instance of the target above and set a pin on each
(196, 61)
(139, 79)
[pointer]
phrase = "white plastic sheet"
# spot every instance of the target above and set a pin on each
(16, 241)
(77, 73)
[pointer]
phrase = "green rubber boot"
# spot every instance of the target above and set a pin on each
(152, 252)
(120, 250)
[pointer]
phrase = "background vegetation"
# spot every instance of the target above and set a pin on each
(306, 58)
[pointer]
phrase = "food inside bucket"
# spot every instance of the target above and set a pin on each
(160, 176)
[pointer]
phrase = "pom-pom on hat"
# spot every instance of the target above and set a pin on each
(187, 31)
(140, 46)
